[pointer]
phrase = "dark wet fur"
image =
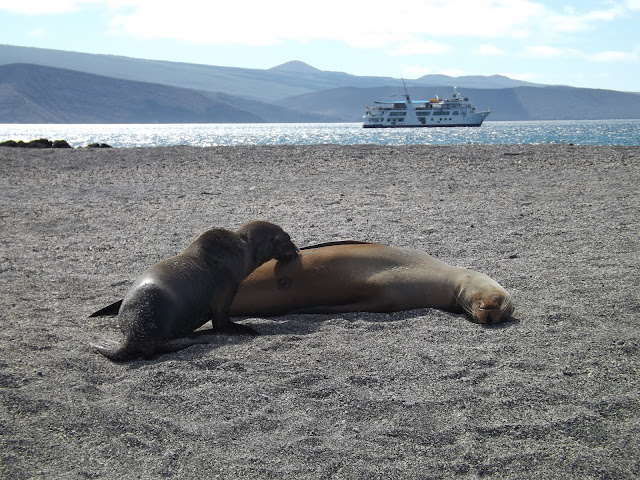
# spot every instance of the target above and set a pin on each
(176, 296)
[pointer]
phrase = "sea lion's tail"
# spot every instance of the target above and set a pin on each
(108, 311)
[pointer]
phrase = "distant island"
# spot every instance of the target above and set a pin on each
(53, 86)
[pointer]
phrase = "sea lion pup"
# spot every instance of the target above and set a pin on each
(176, 296)
(358, 276)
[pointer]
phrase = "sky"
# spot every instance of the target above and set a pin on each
(582, 43)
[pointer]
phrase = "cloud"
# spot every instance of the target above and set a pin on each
(44, 7)
(359, 23)
(489, 50)
(632, 4)
(613, 56)
(415, 71)
(417, 47)
(410, 27)
(38, 32)
(545, 51)
(573, 22)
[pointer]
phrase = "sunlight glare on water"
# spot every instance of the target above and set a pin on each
(582, 132)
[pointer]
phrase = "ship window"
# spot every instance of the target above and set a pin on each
(455, 112)
(423, 114)
(397, 114)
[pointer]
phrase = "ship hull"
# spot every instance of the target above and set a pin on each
(441, 125)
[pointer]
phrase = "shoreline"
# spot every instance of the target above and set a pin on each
(421, 393)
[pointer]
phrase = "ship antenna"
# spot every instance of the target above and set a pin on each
(406, 94)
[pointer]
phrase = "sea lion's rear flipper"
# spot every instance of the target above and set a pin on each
(108, 311)
(122, 353)
(116, 352)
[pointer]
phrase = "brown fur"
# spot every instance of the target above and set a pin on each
(351, 276)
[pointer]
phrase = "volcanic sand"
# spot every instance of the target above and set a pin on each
(415, 394)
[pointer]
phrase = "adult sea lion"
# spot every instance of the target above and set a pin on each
(176, 296)
(359, 276)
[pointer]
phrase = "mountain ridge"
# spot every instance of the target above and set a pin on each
(173, 92)
(273, 84)
(39, 94)
(295, 66)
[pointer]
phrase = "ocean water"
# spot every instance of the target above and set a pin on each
(582, 132)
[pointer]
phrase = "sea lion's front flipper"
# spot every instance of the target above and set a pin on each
(177, 344)
(233, 328)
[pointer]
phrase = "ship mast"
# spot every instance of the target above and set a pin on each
(406, 93)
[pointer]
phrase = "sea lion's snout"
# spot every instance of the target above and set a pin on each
(286, 249)
(268, 240)
(492, 309)
(289, 252)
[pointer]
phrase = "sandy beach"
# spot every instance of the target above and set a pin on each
(419, 394)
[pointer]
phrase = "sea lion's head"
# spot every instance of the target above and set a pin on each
(268, 241)
(485, 301)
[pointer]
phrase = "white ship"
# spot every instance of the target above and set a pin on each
(451, 112)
